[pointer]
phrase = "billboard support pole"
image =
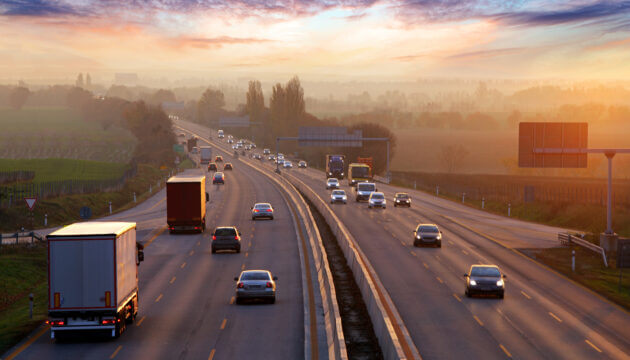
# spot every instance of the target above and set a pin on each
(609, 230)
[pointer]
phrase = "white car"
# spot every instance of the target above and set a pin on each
(338, 196)
(288, 165)
(332, 183)
(377, 199)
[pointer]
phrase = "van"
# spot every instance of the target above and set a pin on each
(363, 190)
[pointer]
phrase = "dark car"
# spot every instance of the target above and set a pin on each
(212, 167)
(485, 279)
(218, 178)
(427, 235)
(226, 238)
(227, 166)
(218, 158)
(402, 199)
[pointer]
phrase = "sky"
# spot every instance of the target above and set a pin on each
(319, 39)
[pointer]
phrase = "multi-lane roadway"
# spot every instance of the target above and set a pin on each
(187, 308)
(543, 315)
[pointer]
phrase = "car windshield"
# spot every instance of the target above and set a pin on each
(485, 271)
(262, 206)
(339, 192)
(225, 232)
(378, 196)
(333, 181)
(402, 196)
(366, 187)
(428, 229)
(255, 276)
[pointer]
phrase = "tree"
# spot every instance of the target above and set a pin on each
(120, 91)
(210, 105)
(162, 96)
(452, 157)
(377, 150)
(79, 82)
(295, 108)
(88, 81)
(78, 98)
(277, 107)
(153, 129)
(255, 101)
(18, 97)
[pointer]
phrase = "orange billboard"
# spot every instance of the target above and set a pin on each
(552, 145)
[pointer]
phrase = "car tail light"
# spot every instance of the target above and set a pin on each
(236, 237)
(108, 321)
(269, 284)
(197, 228)
(240, 285)
(256, 210)
(57, 323)
(172, 228)
(214, 237)
(269, 210)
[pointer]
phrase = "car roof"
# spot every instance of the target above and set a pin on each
(225, 227)
(428, 225)
(377, 193)
(255, 271)
(218, 173)
(262, 203)
(401, 193)
(333, 179)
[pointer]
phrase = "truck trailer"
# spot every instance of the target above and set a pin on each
(205, 155)
(186, 199)
(335, 165)
(93, 277)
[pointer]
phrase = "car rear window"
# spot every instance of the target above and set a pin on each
(225, 232)
(338, 192)
(255, 276)
(485, 271)
(262, 206)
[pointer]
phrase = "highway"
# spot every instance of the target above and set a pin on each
(187, 308)
(543, 315)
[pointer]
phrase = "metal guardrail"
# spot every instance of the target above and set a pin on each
(13, 239)
(567, 239)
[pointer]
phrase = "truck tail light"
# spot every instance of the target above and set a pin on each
(269, 285)
(108, 298)
(240, 285)
(57, 323)
(57, 300)
(108, 321)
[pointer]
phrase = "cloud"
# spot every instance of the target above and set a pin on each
(216, 42)
(579, 14)
(485, 54)
(37, 8)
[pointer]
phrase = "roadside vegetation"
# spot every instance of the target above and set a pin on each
(64, 169)
(24, 271)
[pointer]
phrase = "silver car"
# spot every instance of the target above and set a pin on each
(332, 183)
(262, 211)
(287, 164)
(377, 199)
(338, 196)
(255, 284)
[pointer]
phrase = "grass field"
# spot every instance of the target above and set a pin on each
(23, 272)
(65, 169)
(60, 133)
(589, 271)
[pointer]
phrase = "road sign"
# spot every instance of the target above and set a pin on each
(30, 202)
(234, 121)
(552, 145)
(85, 213)
(623, 253)
(336, 136)
(178, 148)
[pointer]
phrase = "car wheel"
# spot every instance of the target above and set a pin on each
(271, 218)
(467, 293)
(439, 244)
(214, 250)
(272, 300)
(415, 243)
(253, 218)
(238, 250)
(501, 295)
(238, 301)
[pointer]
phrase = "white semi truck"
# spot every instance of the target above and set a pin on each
(93, 277)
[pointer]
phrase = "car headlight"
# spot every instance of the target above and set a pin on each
(397, 201)
(473, 283)
(500, 283)
(329, 173)
(345, 197)
(341, 174)
(439, 237)
(418, 237)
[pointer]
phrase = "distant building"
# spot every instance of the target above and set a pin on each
(173, 105)
(126, 79)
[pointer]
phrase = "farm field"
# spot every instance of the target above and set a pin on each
(64, 169)
(60, 133)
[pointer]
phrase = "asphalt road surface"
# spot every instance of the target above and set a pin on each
(543, 315)
(187, 308)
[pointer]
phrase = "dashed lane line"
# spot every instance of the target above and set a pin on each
(172, 279)
(183, 265)
(525, 294)
(505, 350)
(555, 317)
(159, 298)
(113, 355)
(457, 297)
(211, 355)
(223, 324)
(478, 320)
(140, 321)
(592, 345)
